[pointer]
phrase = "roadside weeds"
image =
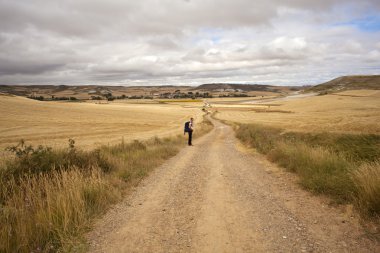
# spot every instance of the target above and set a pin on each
(48, 198)
(344, 167)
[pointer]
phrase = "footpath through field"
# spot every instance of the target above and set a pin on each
(218, 197)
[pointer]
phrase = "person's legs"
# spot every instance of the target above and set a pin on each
(190, 137)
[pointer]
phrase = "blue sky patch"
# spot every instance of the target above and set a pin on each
(367, 24)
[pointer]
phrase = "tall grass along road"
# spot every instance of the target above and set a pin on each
(218, 197)
(48, 197)
(343, 166)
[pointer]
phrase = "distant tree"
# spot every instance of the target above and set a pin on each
(206, 95)
(41, 98)
(135, 97)
(238, 95)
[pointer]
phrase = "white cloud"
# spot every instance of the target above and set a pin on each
(181, 42)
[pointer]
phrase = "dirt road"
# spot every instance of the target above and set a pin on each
(219, 197)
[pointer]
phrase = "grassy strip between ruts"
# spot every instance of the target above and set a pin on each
(49, 197)
(344, 166)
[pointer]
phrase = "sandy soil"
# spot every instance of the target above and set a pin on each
(219, 197)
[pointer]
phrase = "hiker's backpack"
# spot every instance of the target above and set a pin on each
(187, 127)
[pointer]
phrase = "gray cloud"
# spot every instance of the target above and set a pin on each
(8, 67)
(177, 42)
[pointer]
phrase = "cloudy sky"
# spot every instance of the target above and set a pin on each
(154, 42)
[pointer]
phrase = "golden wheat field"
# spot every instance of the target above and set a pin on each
(356, 111)
(89, 124)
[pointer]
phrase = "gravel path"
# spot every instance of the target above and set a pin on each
(218, 196)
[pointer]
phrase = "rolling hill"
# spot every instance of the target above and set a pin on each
(244, 87)
(370, 82)
(248, 87)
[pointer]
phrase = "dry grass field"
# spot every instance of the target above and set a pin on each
(331, 141)
(89, 124)
(64, 189)
(49, 197)
(355, 111)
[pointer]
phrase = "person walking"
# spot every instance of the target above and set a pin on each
(189, 129)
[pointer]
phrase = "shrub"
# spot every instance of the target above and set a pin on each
(29, 160)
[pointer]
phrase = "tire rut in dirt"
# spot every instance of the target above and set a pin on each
(224, 224)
